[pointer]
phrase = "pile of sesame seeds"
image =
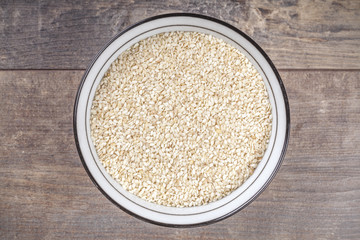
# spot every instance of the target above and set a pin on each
(181, 119)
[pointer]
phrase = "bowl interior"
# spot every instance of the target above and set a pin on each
(191, 215)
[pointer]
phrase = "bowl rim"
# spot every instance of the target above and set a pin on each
(262, 52)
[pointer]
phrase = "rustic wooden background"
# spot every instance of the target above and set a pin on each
(45, 47)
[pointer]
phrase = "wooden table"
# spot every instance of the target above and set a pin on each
(45, 47)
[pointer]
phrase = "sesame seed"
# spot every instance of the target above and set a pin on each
(181, 119)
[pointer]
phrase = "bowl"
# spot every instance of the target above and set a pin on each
(185, 216)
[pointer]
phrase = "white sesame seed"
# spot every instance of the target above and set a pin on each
(181, 119)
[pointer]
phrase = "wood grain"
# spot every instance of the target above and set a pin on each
(67, 34)
(46, 193)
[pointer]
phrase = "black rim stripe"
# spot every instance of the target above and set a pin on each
(266, 58)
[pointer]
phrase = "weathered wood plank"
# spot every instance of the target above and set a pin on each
(46, 193)
(67, 34)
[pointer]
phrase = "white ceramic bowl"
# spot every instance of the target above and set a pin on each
(191, 216)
